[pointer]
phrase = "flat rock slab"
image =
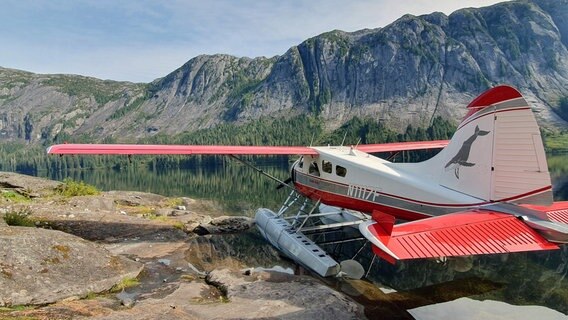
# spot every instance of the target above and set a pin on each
(265, 295)
(134, 198)
(39, 266)
(27, 184)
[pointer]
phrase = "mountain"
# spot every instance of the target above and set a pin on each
(408, 72)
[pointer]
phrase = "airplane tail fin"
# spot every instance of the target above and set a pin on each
(496, 154)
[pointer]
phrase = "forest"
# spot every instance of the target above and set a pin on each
(297, 131)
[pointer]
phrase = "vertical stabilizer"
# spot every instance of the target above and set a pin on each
(496, 153)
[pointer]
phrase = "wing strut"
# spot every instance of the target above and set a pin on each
(248, 164)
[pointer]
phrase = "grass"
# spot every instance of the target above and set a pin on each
(19, 217)
(153, 216)
(125, 283)
(179, 225)
(71, 188)
(14, 196)
(556, 142)
(174, 202)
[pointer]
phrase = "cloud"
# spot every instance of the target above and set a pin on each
(140, 40)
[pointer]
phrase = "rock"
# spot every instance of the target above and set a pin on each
(225, 224)
(39, 266)
(248, 298)
(135, 199)
(94, 203)
(163, 212)
(181, 208)
(166, 212)
(32, 187)
(298, 297)
(126, 299)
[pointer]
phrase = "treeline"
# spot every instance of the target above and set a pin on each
(298, 131)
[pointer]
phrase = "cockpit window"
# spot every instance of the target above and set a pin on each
(313, 170)
(326, 166)
(340, 171)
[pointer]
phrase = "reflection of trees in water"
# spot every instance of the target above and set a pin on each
(528, 278)
(243, 250)
(560, 188)
(537, 278)
(236, 187)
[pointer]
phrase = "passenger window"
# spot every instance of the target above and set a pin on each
(340, 171)
(313, 169)
(326, 166)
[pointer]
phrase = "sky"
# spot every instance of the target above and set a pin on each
(141, 40)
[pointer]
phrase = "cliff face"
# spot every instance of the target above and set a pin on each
(407, 72)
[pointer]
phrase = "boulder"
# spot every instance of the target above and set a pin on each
(39, 266)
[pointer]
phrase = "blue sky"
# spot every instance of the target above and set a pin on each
(141, 40)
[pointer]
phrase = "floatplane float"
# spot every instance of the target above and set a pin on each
(488, 191)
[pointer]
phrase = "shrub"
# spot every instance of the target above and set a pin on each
(125, 283)
(71, 188)
(19, 218)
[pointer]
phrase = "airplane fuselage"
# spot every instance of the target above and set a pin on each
(345, 177)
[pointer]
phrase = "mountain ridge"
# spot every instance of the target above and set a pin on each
(408, 72)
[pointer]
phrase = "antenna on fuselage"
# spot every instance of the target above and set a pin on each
(312, 141)
(343, 141)
(358, 141)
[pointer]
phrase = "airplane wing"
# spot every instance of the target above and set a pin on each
(457, 234)
(128, 149)
(131, 149)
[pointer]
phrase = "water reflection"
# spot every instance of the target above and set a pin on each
(508, 281)
(465, 308)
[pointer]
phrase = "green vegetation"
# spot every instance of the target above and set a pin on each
(13, 196)
(299, 130)
(19, 217)
(555, 142)
(71, 188)
(125, 283)
(128, 108)
(563, 108)
(179, 225)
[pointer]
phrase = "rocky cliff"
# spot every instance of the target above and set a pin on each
(410, 71)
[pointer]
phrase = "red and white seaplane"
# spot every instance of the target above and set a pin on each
(487, 191)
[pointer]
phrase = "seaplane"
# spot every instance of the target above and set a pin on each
(487, 191)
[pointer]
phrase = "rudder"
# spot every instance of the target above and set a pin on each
(497, 153)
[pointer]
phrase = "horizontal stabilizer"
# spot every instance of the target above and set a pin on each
(458, 234)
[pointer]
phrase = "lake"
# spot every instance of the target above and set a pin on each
(513, 286)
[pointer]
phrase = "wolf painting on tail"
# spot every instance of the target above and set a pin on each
(460, 159)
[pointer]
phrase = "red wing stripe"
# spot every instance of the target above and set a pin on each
(129, 149)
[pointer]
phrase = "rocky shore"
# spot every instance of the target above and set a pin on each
(132, 255)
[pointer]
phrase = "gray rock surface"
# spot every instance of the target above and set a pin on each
(27, 185)
(39, 266)
(249, 297)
